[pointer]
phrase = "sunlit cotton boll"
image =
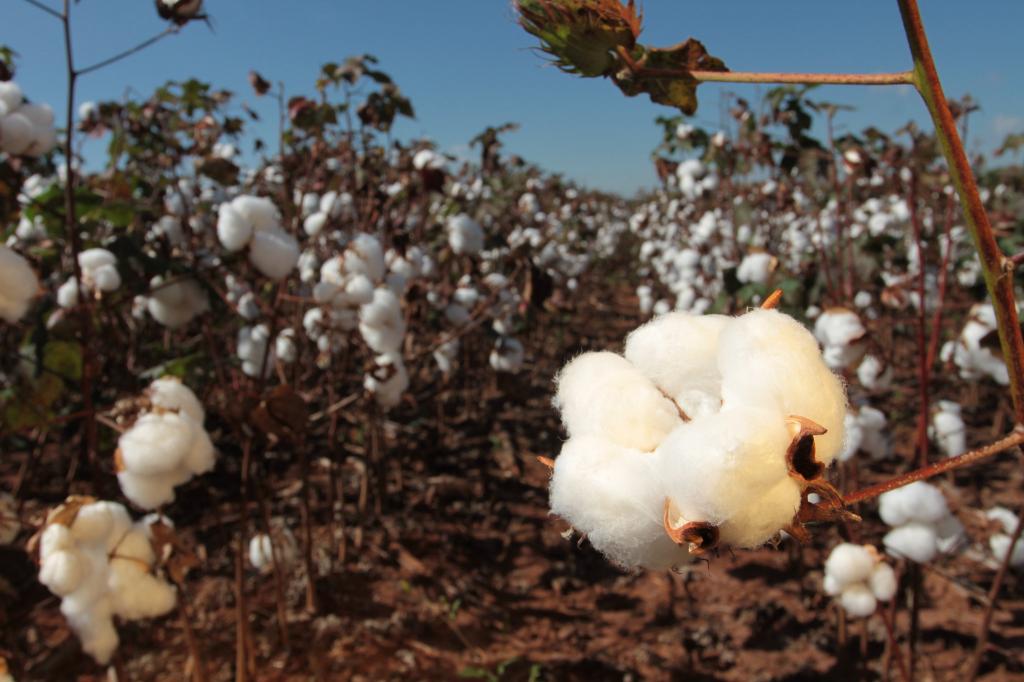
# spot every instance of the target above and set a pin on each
(18, 285)
(918, 501)
(604, 395)
(614, 496)
(465, 236)
(915, 541)
(11, 97)
(274, 252)
(157, 443)
(16, 133)
(873, 374)
(948, 429)
(171, 394)
(175, 304)
(381, 322)
(252, 350)
(364, 255)
(756, 268)
(101, 523)
(856, 574)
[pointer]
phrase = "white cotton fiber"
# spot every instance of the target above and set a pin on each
(262, 550)
(63, 571)
(314, 223)
(918, 501)
(157, 443)
(175, 304)
(849, 563)
(11, 97)
(136, 593)
(233, 230)
(873, 374)
(101, 523)
(147, 492)
(18, 285)
(92, 259)
(602, 394)
(761, 520)
(755, 268)
(16, 133)
(677, 351)
(135, 545)
(915, 541)
(171, 394)
(948, 428)
(858, 600)
(465, 236)
(883, 582)
(259, 212)
(364, 255)
(274, 252)
(614, 496)
(768, 360)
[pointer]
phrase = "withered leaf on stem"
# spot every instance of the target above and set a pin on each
(284, 413)
(260, 85)
(664, 74)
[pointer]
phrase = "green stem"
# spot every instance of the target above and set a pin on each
(996, 268)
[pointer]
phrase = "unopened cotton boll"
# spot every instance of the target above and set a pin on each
(18, 285)
(613, 495)
(604, 395)
(769, 360)
(274, 252)
(465, 236)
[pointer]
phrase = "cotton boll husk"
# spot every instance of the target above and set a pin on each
(915, 541)
(171, 394)
(135, 593)
(769, 360)
(677, 352)
(918, 501)
(762, 518)
(233, 231)
(146, 492)
(849, 563)
(614, 496)
(18, 285)
(858, 601)
(883, 582)
(63, 571)
(259, 212)
(16, 133)
(602, 394)
(157, 443)
(274, 252)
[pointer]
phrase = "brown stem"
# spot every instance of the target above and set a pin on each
(895, 78)
(198, 664)
(173, 28)
(993, 595)
(923, 368)
(960, 461)
(998, 272)
(894, 649)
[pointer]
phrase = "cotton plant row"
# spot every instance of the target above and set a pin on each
(102, 565)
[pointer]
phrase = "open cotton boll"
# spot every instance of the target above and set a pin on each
(314, 223)
(756, 268)
(841, 334)
(915, 541)
(613, 495)
(918, 501)
(948, 428)
(465, 236)
(858, 600)
(55, 537)
(507, 355)
(849, 563)
(388, 381)
(1000, 545)
(384, 310)
(16, 133)
(602, 394)
(1006, 518)
(63, 571)
(202, 456)
(262, 550)
(359, 289)
(157, 443)
(284, 346)
(171, 393)
(259, 212)
(883, 582)
(233, 231)
(768, 360)
(11, 97)
(135, 545)
(873, 374)
(18, 285)
(274, 252)
(135, 593)
(101, 523)
(175, 304)
(147, 492)
(364, 255)
(95, 630)
(93, 259)
(716, 467)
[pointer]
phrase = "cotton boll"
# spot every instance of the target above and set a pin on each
(1000, 545)
(613, 495)
(768, 360)
(175, 304)
(359, 290)
(873, 374)
(258, 212)
(232, 229)
(11, 97)
(101, 523)
(756, 268)
(284, 346)
(948, 429)
(872, 423)
(389, 381)
(841, 333)
(16, 133)
(274, 252)
(93, 259)
(55, 537)
(915, 541)
(63, 571)
(201, 456)
(602, 394)
(365, 256)
(105, 278)
(849, 563)
(918, 501)
(314, 224)
(262, 550)
(507, 355)
(136, 546)
(146, 492)
(157, 443)
(18, 285)
(465, 236)
(96, 631)
(883, 582)
(858, 601)
(171, 394)
(137, 594)
(761, 520)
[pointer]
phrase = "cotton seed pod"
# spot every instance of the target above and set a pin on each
(274, 252)
(768, 360)
(602, 394)
(716, 466)
(678, 351)
(614, 496)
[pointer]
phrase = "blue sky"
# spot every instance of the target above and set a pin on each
(466, 64)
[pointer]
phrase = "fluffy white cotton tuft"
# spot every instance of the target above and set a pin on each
(915, 541)
(171, 394)
(274, 252)
(18, 285)
(465, 236)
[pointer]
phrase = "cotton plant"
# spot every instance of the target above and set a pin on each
(255, 223)
(859, 577)
(922, 525)
(999, 541)
(165, 446)
(19, 285)
(708, 430)
(26, 129)
(102, 565)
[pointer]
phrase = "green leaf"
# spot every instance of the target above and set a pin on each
(64, 359)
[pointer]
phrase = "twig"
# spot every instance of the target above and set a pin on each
(49, 10)
(173, 28)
